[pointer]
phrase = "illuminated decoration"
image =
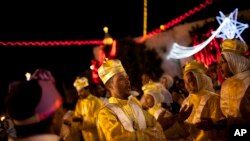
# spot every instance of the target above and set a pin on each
(107, 39)
(232, 29)
(145, 14)
(162, 27)
(91, 67)
(179, 52)
(100, 54)
(27, 75)
(53, 43)
(112, 53)
(94, 73)
(3, 118)
(177, 20)
(210, 53)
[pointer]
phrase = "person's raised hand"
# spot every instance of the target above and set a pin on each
(205, 124)
(184, 113)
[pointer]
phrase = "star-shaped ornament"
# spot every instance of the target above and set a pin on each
(233, 28)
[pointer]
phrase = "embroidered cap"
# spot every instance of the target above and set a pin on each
(81, 82)
(195, 66)
(234, 45)
(109, 68)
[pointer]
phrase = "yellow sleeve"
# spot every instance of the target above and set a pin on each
(78, 109)
(214, 107)
(89, 108)
(244, 105)
(154, 130)
(89, 119)
(110, 129)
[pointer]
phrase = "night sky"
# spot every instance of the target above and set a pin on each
(47, 21)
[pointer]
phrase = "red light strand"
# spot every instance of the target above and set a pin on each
(182, 17)
(206, 55)
(53, 43)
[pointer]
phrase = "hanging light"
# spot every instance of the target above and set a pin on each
(27, 75)
(108, 40)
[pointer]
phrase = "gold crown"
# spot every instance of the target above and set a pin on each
(151, 88)
(234, 45)
(195, 66)
(81, 82)
(109, 68)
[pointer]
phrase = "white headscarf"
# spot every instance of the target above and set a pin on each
(204, 82)
(167, 95)
(158, 91)
(169, 80)
(236, 62)
(158, 97)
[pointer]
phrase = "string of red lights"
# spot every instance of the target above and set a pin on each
(99, 42)
(181, 18)
(53, 43)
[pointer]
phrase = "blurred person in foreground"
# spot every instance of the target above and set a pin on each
(122, 118)
(35, 106)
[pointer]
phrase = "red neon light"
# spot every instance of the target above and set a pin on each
(177, 20)
(206, 55)
(53, 43)
(97, 63)
(182, 17)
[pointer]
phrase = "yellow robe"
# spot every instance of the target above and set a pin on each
(88, 108)
(176, 131)
(110, 127)
(232, 91)
(206, 105)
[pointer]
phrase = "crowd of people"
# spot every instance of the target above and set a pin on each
(197, 107)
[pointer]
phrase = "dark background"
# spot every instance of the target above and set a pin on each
(71, 20)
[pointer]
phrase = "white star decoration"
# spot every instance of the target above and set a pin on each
(229, 28)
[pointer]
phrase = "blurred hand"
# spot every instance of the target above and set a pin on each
(175, 96)
(221, 123)
(166, 121)
(161, 119)
(205, 124)
(184, 113)
(42, 74)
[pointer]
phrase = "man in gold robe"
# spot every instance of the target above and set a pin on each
(235, 90)
(122, 118)
(201, 124)
(87, 107)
